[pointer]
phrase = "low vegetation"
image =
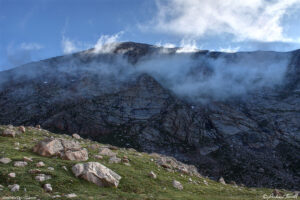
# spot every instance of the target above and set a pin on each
(134, 184)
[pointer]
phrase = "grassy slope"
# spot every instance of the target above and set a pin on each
(135, 184)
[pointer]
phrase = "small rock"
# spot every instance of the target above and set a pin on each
(113, 147)
(125, 159)
(5, 160)
(95, 146)
(205, 182)
(98, 157)
(14, 187)
(233, 183)
(1, 186)
(114, 159)
(127, 164)
(73, 195)
(277, 193)
(22, 129)
(177, 185)
(51, 168)
(42, 177)
(152, 175)
(190, 180)
(106, 152)
(40, 164)
(12, 175)
(38, 126)
(76, 136)
(20, 164)
(56, 196)
(17, 143)
(222, 181)
(47, 187)
(65, 168)
(34, 171)
(27, 159)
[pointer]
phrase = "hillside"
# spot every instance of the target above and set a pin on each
(134, 184)
(231, 115)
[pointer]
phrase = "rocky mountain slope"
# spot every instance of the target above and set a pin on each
(251, 137)
(33, 165)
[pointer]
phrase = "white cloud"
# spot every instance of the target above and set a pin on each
(229, 49)
(187, 46)
(68, 45)
(258, 20)
(30, 46)
(107, 43)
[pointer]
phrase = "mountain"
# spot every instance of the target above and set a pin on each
(233, 115)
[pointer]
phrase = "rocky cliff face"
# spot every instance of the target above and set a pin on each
(252, 138)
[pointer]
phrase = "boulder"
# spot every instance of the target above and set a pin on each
(40, 164)
(34, 171)
(98, 157)
(96, 173)
(47, 187)
(277, 193)
(79, 155)
(66, 149)
(171, 164)
(106, 152)
(9, 133)
(20, 164)
(177, 185)
(12, 175)
(22, 129)
(114, 159)
(222, 181)
(27, 159)
(14, 187)
(5, 160)
(42, 177)
(76, 136)
(72, 195)
(152, 175)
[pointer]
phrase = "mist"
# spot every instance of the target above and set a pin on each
(195, 76)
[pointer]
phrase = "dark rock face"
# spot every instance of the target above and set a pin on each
(253, 139)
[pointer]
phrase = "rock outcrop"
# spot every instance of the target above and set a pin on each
(65, 149)
(96, 173)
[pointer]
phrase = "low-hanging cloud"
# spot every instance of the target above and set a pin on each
(195, 76)
(258, 20)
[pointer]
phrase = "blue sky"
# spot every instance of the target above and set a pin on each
(36, 29)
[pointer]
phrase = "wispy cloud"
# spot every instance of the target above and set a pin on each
(258, 20)
(68, 46)
(104, 44)
(31, 46)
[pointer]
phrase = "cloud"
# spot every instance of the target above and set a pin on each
(107, 43)
(229, 49)
(31, 46)
(68, 46)
(258, 20)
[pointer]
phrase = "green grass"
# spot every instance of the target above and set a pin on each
(135, 184)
